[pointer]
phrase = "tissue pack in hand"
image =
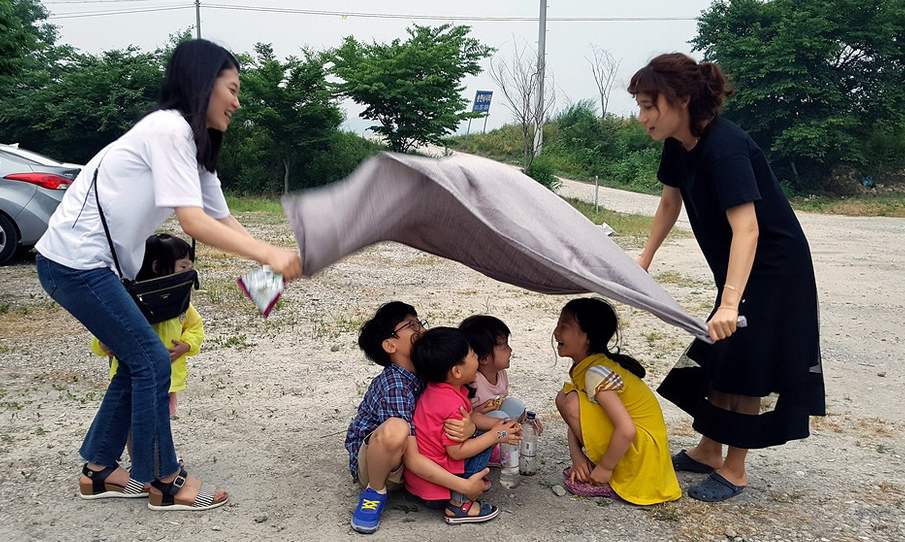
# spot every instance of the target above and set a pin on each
(263, 287)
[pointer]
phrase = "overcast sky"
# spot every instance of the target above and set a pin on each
(568, 43)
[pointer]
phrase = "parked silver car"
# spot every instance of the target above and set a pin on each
(31, 187)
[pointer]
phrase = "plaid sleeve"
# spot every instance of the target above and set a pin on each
(599, 378)
(398, 402)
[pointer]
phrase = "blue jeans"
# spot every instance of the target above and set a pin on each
(137, 397)
(473, 465)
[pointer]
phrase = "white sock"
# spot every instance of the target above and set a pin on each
(381, 491)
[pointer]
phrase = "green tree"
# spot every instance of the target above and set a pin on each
(413, 88)
(88, 102)
(814, 77)
(26, 39)
(288, 114)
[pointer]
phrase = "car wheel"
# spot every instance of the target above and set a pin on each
(9, 239)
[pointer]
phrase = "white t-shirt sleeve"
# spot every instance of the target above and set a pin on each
(214, 201)
(171, 155)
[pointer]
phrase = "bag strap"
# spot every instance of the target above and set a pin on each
(100, 211)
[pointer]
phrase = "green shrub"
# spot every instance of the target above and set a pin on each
(542, 171)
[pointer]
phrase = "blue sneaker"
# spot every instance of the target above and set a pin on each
(366, 518)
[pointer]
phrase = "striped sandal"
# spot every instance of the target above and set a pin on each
(100, 488)
(166, 499)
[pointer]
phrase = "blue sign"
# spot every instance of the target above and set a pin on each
(482, 101)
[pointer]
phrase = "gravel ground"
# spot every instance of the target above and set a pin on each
(268, 402)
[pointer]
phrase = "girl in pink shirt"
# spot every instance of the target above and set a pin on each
(488, 337)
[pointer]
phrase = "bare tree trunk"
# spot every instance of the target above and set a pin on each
(604, 67)
(285, 176)
(517, 79)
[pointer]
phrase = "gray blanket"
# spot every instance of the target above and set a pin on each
(481, 213)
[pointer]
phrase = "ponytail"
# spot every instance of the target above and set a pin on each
(598, 320)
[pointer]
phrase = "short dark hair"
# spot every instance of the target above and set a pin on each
(191, 72)
(677, 76)
(437, 351)
(483, 332)
(381, 327)
(163, 249)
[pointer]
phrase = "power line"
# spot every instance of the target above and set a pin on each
(349, 14)
(457, 18)
(84, 14)
(95, 1)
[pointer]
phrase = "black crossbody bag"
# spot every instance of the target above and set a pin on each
(160, 298)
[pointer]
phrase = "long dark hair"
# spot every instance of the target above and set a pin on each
(161, 252)
(677, 76)
(598, 320)
(190, 76)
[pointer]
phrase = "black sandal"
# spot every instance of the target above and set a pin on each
(166, 501)
(100, 488)
(684, 462)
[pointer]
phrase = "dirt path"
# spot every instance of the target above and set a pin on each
(269, 400)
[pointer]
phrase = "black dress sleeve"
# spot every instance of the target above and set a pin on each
(670, 170)
(733, 174)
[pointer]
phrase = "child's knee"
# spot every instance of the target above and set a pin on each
(567, 404)
(392, 435)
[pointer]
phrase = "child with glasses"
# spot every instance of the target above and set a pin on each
(380, 439)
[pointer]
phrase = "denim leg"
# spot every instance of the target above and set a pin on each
(138, 394)
(477, 463)
(514, 408)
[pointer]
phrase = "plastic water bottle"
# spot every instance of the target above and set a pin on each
(528, 451)
(509, 477)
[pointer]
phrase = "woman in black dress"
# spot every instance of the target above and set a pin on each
(754, 386)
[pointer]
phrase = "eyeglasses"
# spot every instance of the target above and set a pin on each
(416, 325)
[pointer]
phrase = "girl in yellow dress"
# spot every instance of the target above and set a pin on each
(617, 435)
(165, 255)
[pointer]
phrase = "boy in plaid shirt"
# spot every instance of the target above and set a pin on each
(380, 439)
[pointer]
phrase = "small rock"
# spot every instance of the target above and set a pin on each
(881, 374)
(730, 534)
(334, 348)
(559, 490)
(216, 528)
(261, 518)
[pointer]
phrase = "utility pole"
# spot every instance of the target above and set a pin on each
(198, 19)
(541, 65)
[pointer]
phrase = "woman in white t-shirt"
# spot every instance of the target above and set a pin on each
(165, 164)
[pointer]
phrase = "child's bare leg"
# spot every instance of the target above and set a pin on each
(567, 404)
(386, 447)
(172, 404)
(569, 409)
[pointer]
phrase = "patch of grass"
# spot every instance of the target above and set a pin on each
(239, 342)
(223, 292)
(666, 512)
(891, 205)
(653, 337)
(628, 225)
(254, 204)
(679, 279)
